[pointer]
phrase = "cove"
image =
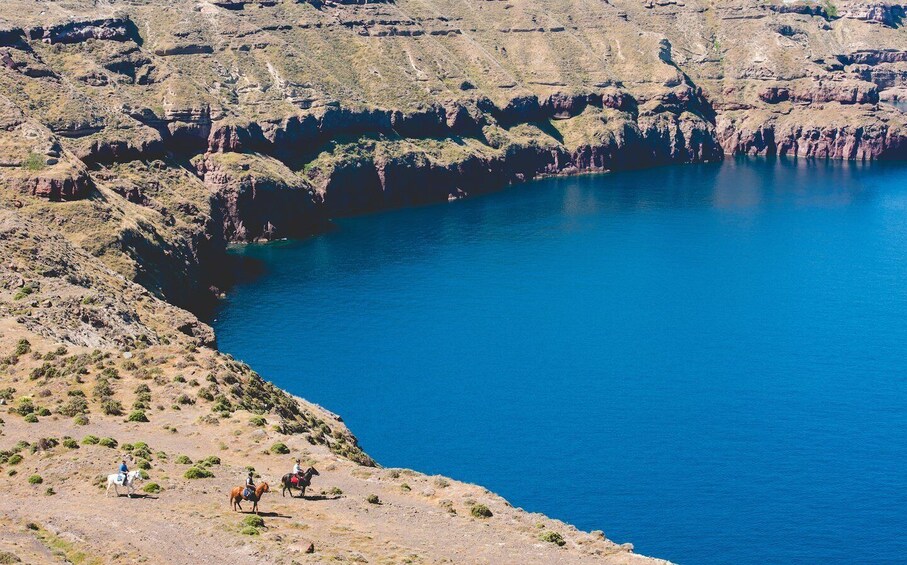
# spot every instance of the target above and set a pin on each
(707, 361)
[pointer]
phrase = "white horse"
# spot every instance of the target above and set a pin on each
(129, 482)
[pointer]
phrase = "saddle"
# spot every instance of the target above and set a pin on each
(121, 479)
(248, 493)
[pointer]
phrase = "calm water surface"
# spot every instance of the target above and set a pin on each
(706, 361)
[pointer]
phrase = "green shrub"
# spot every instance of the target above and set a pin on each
(81, 420)
(198, 473)
(23, 347)
(102, 389)
(143, 474)
(108, 442)
(258, 421)
(143, 464)
(14, 459)
(280, 448)
(373, 499)
(35, 480)
(480, 511)
(43, 412)
(209, 461)
(183, 460)
(50, 491)
(44, 371)
(152, 488)
(138, 416)
(254, 521)
(179, 379)
(23, 292)
(205, 394)
(335, 491)
(31, 418)
(249, 531)
(70, 443)
(26, 407)
(90, 440)
(553, 537)
(184, 399)
(406, 487)
(112, 407)
(75, 406)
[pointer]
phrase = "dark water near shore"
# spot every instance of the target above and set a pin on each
(707, 361)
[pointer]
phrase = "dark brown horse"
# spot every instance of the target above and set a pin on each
(236, 497)
(304, 481)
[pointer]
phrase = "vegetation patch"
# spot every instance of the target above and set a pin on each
(33, 162)
(373, 499)
(198, 473)
(152, 488)
(35, 480)
(280, 448)
(553, 537)
(210, 461)
(480, 511)
(138, 416)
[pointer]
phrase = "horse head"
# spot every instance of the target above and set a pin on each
(312, 472)
(262, 488)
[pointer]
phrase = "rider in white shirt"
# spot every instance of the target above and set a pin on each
(297, 470)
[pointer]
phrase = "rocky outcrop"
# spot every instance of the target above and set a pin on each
(849, 92)
(260, 199)
(106, 29)
(55, 187)
(791, 139)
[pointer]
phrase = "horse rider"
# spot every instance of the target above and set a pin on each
(297, 470)
(250, 485)
(124, 471)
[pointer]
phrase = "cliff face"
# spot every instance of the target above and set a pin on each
(168, 130)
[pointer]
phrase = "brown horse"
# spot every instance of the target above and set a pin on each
(236, 497)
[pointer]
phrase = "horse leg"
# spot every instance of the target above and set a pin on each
(107, 492)
(302, 494)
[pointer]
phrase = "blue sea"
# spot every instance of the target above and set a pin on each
(708, 361)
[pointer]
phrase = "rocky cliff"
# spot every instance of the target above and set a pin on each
(171, 129)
